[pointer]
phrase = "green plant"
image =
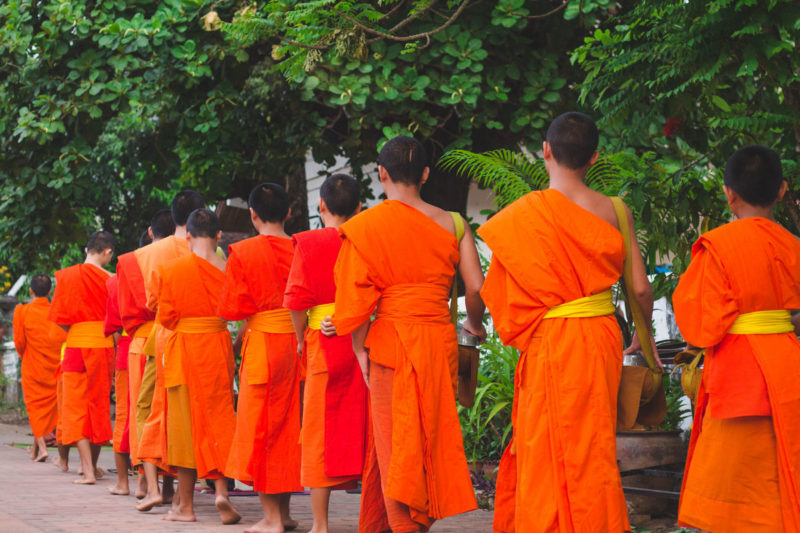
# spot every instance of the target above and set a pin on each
(676, 412)
(486, 426)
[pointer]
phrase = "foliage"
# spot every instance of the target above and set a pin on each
(461, 74)
(108, 107)
(715, 75)
(513, 174)
(486, 426)
(676, 412)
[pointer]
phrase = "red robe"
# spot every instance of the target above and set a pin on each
(266, 450)
(38, 342)
(335, 395)
(137, 319)
(80, 299)
(749, 397)
(113, 324)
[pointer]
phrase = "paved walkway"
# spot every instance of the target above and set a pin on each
(39, 497)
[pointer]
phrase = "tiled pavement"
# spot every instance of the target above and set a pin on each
(39, 497)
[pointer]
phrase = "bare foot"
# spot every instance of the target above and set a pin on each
(118, 491)
(226, 511)
(32, 451)
(99, 472)
(42, 457)
(84, 481)
(290, 524)
(148, 502)
(58, 462)
(179, 517)
(261, 527)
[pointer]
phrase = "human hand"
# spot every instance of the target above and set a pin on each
(327, 327)
(477, 330)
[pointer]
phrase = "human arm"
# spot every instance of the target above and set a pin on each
(299, 321)
(469, 268)
(642, 291)
(359, 337)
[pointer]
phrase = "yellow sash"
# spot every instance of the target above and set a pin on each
(88, 335)
(600, 304)
(144, 330)
(317, 313)
(201, 324)
(762, 323)
(272, 321)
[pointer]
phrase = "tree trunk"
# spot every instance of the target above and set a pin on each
(298, 198)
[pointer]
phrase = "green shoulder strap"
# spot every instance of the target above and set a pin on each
(459, 222)
(642, 329)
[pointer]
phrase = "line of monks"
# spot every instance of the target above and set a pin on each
(350, 324)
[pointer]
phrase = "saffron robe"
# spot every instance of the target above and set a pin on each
(752, 264)
(266, 449)
(398, 262)
(137, 320)
(559, 472)
(80, 297)
(111, 325)
(199, 359)
(38, 343)
(152, 399)
(335, 395)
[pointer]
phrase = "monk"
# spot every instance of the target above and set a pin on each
(112, 327)
(266, 449)
(335, 395)
(551, 248)
(198, 368)
(138, 305)
(398, 260)
(734, 300)
(38, 343)
(79, 306)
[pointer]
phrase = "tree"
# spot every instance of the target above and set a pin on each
(109, 107)
(715, 75)
(460, 74)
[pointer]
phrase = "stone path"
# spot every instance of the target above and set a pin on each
(39, 497)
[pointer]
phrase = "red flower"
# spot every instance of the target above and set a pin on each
(672, 125)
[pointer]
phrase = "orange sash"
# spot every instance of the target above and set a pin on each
(254, 347)
(88, 335)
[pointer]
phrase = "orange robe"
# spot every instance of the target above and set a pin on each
(335, 395)
(79, 302)
(743, 467)
(111, 325)
(198, 366)
(152, 398)
(38, 342)
(137, 320)
(559, 472)
(399, 263)
(265, 449)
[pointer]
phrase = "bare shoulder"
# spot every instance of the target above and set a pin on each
(440, 216)
(601, 206)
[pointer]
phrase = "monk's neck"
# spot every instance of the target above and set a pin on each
(270, 229)
(208, 251)
(180, 232)
(332, 221)
(95, 260)
(753, 211)
(567, 181)
(408, 194)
